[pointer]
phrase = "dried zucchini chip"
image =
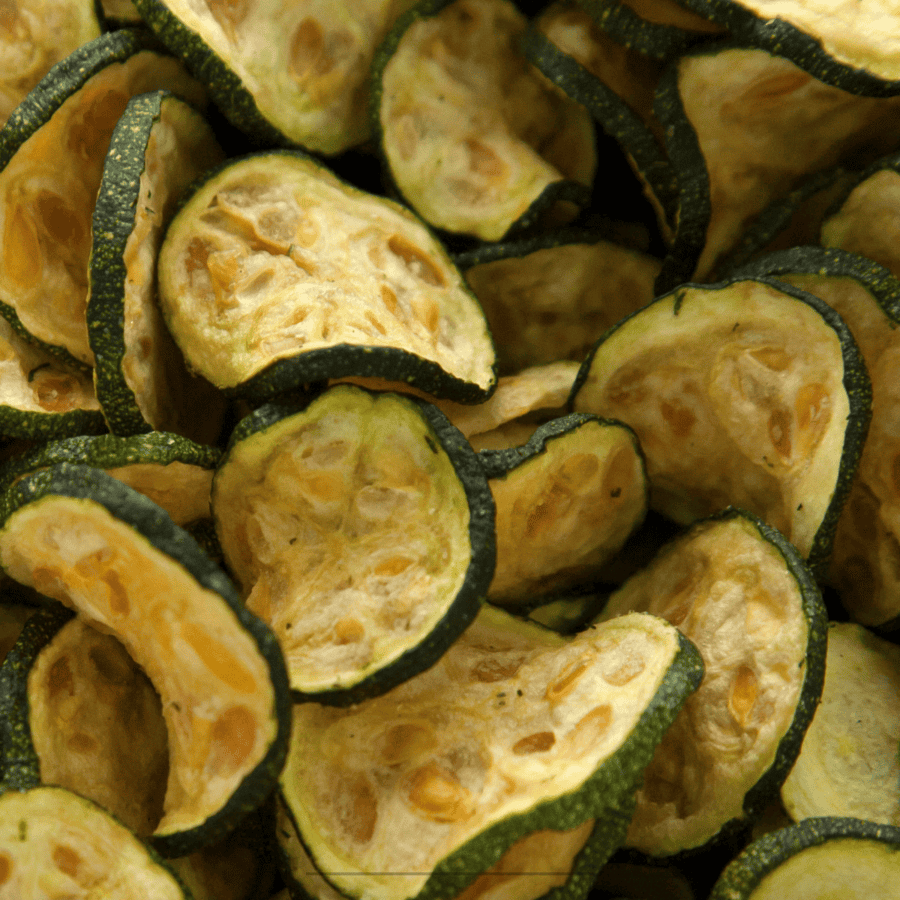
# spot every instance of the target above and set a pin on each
(747, 392)
(547, 300)
(865, 556)
(475, 140)
(361, 529)
(744, 128)
(284, 72)
(275, 273)
(43, 397)
(739, 591)
(848, 764)
(159, 146)
(566, 503)
(81, 537)
(52, 153)
(514, 730)
(520, 403)
(171, 470)
(54, 843)
(36, 35)
(821, 857)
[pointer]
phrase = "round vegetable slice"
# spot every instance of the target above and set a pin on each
(748, 393)
(159, 146)
(52, 153)
(82, 537)
(738, 590)
(514, 730)
(475, 140)
(275, 273)
(848, 763)
(820, 857)
(55, 843)
(566, 503)
(361, 528)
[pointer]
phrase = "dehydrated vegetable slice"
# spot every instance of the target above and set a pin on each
(55, 843)
(283, 72)
(566, 502)
(547, 299)
(739, 591)
(36, 35)
(475, 140)
(744, 128)
(514, 730)
(52, 152)
(864, 563)
(361, 529)
(747, 392)
(82, 537)
(275, 273)
(843, 857)
(159, 146)
(848, 763)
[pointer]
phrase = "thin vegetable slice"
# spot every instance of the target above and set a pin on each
(746, 393)
(475, 140)
(739, 591)
(159, 146)
(513, 731)
(361, 529)
(52, 152)
(840, 857)
(566, 503)
(80, 536)
(275, 273)
(848, 763)
(55, 843)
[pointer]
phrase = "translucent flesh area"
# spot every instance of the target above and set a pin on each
(34, 36)
(97, 725)
(763, 126)
(848, 764)
(33, 381)
(849, 868)
(552, 304)
(736, 399)
(55, 845)
(348, 527)
(512, 715)
(730, 592)
(275, 257)
(306, 64)
(865, 562)
(47, 195)
(471, 132)
(213, 683)
(566, 511)
(181, 147)
(182, 490)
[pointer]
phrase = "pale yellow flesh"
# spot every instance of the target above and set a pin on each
(511, 715)
(763, 126)
(97, 725)
(848, 763)
(736, 400)
(34, 36)
(180, 148)
(348, 532)
(182, 490)
(276, 257)
(47, 195)
(562, 514)
(471, 132)
(55, 845)
(729, 591)
(214, 685)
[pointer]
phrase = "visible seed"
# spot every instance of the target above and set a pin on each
(540, 742)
